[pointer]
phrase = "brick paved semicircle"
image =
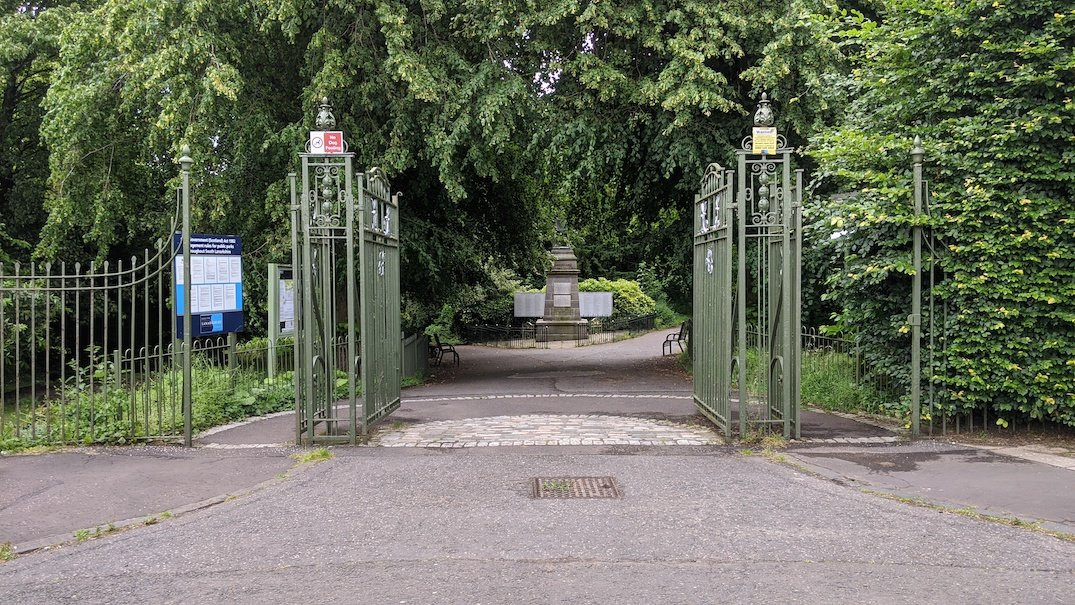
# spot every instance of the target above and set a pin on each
(544, 429)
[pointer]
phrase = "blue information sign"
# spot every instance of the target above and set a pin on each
(216, 288)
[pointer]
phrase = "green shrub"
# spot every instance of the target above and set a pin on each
(443, 326)
(666, 315)
(828, 381)
(219, 396)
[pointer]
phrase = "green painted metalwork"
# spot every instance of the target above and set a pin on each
(380, 301)
(188, 332)
(323, 220)
(765, 288)
(929, 328)
(769, 223)
(345, 258)
(711, 330)
(915, 319)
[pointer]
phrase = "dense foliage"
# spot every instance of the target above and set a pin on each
(989, 87)
(29, 43)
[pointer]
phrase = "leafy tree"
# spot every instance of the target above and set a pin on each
(644, 95)
(492, 118)
(989, 87)
(29, 41)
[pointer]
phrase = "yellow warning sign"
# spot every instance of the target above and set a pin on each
(764, 140)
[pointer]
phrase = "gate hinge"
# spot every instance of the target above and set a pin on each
(914, 319)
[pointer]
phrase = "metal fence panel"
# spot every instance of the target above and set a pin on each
(379, 253)
(711, 325)
(87, 351)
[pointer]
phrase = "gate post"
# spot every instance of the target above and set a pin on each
(769, 236)
(741, 214)
(917, 154)
(185, 163)
(298, 374)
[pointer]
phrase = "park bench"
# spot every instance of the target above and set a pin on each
(437, 349)
(677, 338)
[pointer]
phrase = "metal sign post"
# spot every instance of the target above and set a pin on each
(185, 163)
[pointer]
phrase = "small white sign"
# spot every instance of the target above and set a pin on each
(595, 304)
(326, 141)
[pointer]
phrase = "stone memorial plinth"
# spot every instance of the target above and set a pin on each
(562, 320)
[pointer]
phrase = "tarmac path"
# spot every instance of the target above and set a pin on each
(693, 523)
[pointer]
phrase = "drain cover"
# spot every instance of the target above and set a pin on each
(574, 487)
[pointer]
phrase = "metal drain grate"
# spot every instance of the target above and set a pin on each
(574, 487)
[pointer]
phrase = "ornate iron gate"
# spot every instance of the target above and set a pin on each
(381, 352)
(711, 328)
(349, 285)
(767, 250)
(769, 254)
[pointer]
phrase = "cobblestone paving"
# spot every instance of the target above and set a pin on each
(543, 429)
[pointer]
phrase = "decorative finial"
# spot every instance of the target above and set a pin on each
(764, 115)
(917, 152)
(185, 160)
(325, 120)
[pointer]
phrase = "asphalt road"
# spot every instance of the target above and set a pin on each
(411, 525)
(56, 494)
(694, 525)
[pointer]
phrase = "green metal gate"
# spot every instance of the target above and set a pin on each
(346, 267)
(769, 256)
(711, 328)
(765, 289)
(381, 351)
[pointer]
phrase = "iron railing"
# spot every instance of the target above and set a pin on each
(835, 373)
(87, 352)
(510, 337)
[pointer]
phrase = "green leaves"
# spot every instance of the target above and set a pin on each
(985, 85)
